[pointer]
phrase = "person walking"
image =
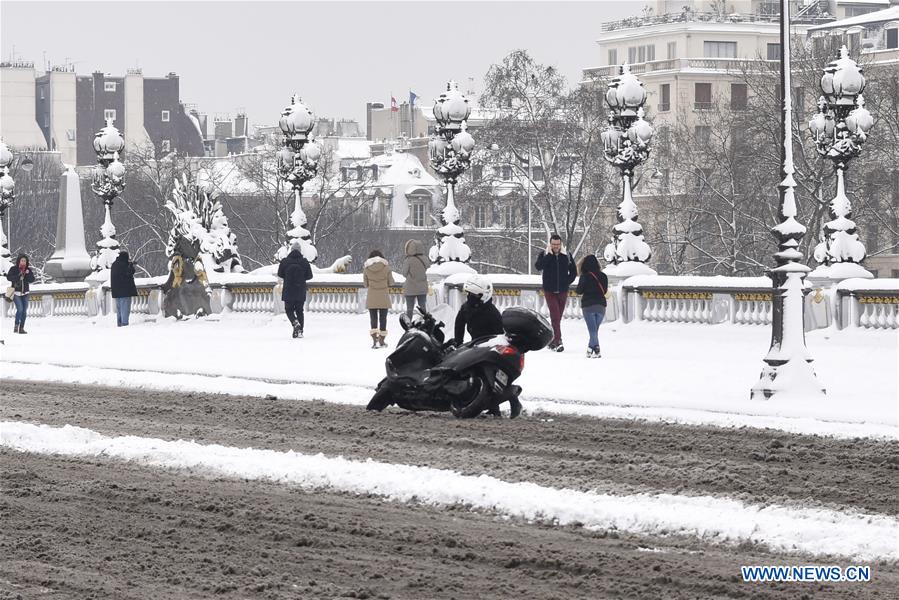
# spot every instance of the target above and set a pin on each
(377, 277)
(121, 283)
(20, 276)
(294, 271)
(415, 270)
(559, 271)
(592, 287)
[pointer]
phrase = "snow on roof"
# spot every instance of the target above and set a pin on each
(225, 176)
(401, 168)
(353, 148)
(879, 16)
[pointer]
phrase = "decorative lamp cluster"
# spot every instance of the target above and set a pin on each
(449, 151)
(298, 161)
(7, 197)
(108, 183)
(626, 145)
(839, 129)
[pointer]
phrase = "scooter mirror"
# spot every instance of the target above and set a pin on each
(405, 322)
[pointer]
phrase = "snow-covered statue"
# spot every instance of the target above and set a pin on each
(220, 243)
(187, 287)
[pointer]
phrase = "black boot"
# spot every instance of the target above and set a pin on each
(296, 329)
(15, 328)
(514, 407)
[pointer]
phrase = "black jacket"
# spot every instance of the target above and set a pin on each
(121, 278)
(482, 318)
(559, 271)
(593, 290)
(18, 281)
(295, 270)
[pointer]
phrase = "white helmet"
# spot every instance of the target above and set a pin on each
(479, 285)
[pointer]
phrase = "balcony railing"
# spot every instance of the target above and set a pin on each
(664, 106)
(706, 17)
(713, 64)
(702, 105)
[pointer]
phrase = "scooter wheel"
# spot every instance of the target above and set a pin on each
(475, 401)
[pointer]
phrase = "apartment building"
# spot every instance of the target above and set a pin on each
(62, 111)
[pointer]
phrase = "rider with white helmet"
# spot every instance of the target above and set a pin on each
(478, 314)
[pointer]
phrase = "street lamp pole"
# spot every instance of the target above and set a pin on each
(7, 197)
(529, 184)
(788, 371)
(839, 129)
(297, 164)
(450, 151)
(626, 144)
(108, 183)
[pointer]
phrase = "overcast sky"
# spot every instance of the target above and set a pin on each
(336, 55)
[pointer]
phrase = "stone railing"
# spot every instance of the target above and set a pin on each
(868, 303)
(861, 303)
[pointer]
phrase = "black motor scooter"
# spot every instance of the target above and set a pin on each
(425, 374)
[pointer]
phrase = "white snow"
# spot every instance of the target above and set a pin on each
(660, 371)
(716, 520)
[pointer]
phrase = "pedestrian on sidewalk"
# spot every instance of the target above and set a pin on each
(121, 283)
(377, 277)
(559, 271)
(20, 276)
(415, 270)
(294, 271)
(592, 286)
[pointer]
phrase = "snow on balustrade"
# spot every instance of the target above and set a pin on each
(873, 302)
(752, 308)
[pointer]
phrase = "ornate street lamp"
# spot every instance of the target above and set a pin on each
(297, 164)
(7, 197)
(449, 151)
(626, 144)
(108, 183)
(788, 371)
(839, 129)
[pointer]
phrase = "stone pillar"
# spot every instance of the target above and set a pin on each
(70, 261)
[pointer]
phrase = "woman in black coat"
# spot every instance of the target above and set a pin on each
(121, 282)
(295, 271)
(592, 286)
(20, 277)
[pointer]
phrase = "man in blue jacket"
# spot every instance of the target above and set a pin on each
(559, 271)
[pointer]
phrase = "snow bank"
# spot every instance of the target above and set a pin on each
(715, 520)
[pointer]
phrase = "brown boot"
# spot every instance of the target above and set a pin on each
(382, 335)
(374, 339)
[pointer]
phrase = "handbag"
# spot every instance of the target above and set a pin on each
(10, 293)
(605, 293)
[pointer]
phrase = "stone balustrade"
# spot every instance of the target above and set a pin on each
(860, 303)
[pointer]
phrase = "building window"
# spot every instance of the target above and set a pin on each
(665, 182)
(613, 56)
(480, 216)
(773, 51)
(537, 173)
(855, 41)
(738, 96)
(663, 137)
(477, 172)
(703, 134)
(703, 96)
(109, 113)
(418, 214)
(892, 39)
(166, 116)
(701, 181)
(109, 86)
(665, 97)
(70, 135)
(510, 217)
(639, 54)
(166, 146)
(672, 50)
(719, 49)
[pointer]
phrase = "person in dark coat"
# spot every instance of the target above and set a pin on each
(295, 271)
(121, 283)
(20, 277)
(478, 314)
(592, 287)
(559, 271)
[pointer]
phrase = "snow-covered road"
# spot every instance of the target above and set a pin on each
(671, 372)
